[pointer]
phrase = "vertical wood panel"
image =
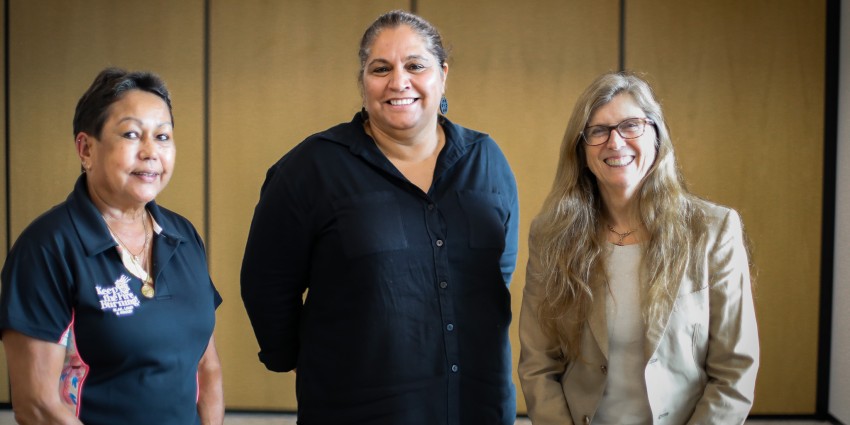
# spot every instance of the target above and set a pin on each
(57, 48)
(742, 85)
(280, 72)
(515, 72)
(4, 374)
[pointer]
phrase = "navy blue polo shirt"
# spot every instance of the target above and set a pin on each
(131, 360)
(407, 309)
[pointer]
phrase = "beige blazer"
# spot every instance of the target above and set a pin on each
(701, 363)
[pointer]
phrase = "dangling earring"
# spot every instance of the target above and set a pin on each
(444, 105)
(363, 114)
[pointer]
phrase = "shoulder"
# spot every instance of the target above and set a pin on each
(53, 224)
(718, 216)
(466, 137)
(173, 223)
(319, 149)
(724, 226)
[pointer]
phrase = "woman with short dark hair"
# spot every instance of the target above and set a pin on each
(107, 308)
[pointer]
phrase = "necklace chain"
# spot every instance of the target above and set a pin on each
(147, 283)
(621, 236)
(135, 257)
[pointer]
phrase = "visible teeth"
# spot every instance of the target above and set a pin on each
(620, 161)
(400, 102)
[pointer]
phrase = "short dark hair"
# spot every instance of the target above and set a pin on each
(394, 19)
(108, 87)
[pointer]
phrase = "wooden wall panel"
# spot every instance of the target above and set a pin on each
(742, 85)
(56, 49)
(4, 374)
(280, 72)
(515, 72)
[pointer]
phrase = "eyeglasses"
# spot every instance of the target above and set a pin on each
(631, 128)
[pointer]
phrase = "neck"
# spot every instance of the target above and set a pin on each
(622, 213)
(113, 212)
(407, 147)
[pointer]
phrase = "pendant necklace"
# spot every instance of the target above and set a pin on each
(621, 236)
(147, 283)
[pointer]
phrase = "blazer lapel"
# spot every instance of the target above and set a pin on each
(654, 331)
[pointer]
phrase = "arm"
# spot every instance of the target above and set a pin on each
(275, 267)
(210, 392)
(541, 363)
(508, 260)
(34, 370)
(733, 347)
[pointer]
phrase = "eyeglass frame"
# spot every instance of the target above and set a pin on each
(644, 120)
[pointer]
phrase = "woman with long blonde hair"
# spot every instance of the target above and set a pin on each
(638, 305)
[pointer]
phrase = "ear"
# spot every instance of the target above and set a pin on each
(445, 75)
(83, 144)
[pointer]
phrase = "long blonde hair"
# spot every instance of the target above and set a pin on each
(569, 235)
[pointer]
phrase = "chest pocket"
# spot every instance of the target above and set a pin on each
(369, 223)
(486, 215)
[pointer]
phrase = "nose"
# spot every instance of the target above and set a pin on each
(148, 147)
(399, 80)
(615, 140)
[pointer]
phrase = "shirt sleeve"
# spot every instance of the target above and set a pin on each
(217, 300)
(37, 296)
(509, 256)
(275, 268)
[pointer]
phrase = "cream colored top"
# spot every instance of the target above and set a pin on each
(624, 401)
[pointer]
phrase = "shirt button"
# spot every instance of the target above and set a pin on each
(586, 419)
(450, 327)
(454, 368)
(604, 369)
(439, 242)
(430, 207)
(444, 285)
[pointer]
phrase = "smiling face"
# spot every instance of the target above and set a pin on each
(619, 164)
(402, 83)
(132, 160)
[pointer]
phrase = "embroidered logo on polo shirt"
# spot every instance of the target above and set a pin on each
(119, 298)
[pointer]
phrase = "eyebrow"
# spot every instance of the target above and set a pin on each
(139, 122)
(408, 58)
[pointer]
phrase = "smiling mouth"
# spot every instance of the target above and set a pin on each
(620, 161)
(146, 174)
(401, 102)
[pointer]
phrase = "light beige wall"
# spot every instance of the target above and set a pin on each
(742, 85)
(55, 53)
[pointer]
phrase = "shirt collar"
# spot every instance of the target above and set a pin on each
(92, 230)
(352, 134)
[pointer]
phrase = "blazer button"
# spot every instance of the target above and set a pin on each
(604, 369)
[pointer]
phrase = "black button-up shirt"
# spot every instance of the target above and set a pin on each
(407, 309)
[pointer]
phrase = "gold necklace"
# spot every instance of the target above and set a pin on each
(621, 236)
(147, 283)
